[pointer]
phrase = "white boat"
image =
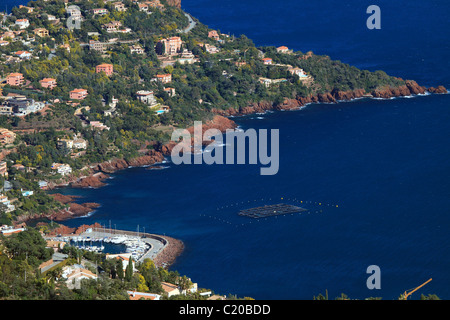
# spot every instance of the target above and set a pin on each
(117, 240)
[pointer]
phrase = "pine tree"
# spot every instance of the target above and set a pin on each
(129, 270)
(120, 269)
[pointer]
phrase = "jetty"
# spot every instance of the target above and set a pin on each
(271, 210)
(139, 244)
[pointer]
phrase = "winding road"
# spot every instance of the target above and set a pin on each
(192, 23)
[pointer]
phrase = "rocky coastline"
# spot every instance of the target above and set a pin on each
(408, 89)
(98, 173)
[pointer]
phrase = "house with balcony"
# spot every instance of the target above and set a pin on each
(172, 45)
(98, 46)
(164, 78)
(214, 35)
(78, 94)
(6, 136)
(15, 79)
(3, 169)
(48, 83)
(41, 32)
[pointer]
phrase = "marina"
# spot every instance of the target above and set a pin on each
(101, 240)
(271, 210)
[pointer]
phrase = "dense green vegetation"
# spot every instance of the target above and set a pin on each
(20, 278)
(227, 79)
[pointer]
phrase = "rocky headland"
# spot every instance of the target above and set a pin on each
(408, 89)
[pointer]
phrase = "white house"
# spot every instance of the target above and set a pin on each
(79, 144)
(61, 168)
(23, 23)
(75, 274)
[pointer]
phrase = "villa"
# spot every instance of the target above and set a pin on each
(268, 82)
(64, 144)
(7, 231)
(164, 78)
(99, 11)
(29, 9)
(48, 83)
(119, 6)
(75, 274)
(98, 125)
(63, 169)
(187, 57)
(3, 169)
(6, 136)
(283, 49)
(98, 46)
(106, 68)
(136, 49)
(143, 7)
(9, 207)
(23, 54)
(211, 49)
(267, 61)
(23, 23)
(172, 45)
(21, 105)
(170, 91)
(15, 79)
(213, 34)
(79, 144)
(78, 94)
(41, 32)
(146, 97)
(298, 71)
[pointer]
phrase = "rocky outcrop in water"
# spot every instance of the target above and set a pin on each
(438, 90)
(218, 122)
(73, 209)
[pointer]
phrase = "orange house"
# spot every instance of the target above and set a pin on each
(283, 49)
(267, 61)
(106, 68)
(78, 94)
(164, 78)
(48, 83)
(213, 34)
(15, 79)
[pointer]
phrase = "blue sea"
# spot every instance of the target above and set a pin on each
(374, 174)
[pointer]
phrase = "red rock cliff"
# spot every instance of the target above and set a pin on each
(174, 3)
